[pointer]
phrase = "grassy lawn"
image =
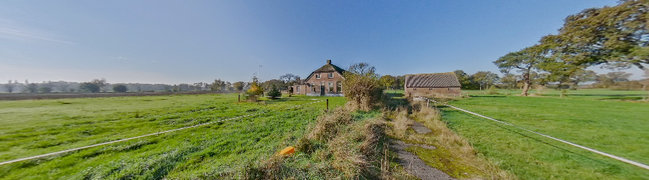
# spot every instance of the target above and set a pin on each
(594, 118)
(33, 127)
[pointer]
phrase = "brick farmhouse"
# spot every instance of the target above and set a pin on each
(434, 84)
(324, 81)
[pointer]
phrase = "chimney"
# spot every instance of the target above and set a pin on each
(328, 61)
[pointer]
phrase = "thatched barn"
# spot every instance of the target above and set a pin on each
(433, 84)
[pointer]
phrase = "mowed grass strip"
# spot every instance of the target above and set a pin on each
(616, 127)
(203, 151)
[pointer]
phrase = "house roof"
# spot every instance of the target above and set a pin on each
(433, 80)
(327, 68)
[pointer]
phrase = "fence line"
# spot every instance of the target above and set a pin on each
(147, 135)
(644, 166)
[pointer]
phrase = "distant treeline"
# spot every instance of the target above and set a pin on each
(101, 86)
(584, 79)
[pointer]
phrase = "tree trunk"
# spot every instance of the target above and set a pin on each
(526, 84)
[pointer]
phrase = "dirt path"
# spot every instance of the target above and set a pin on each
(411, 162)
(420, 128)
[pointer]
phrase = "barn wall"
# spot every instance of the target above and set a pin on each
(454, 91)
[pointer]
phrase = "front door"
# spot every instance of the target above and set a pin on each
(322, 91)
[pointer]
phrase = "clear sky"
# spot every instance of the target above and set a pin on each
(191, 41)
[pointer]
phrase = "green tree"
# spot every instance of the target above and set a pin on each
(89, 87)
(274, 82)
(485, 78)
(525, 61)
(218, 85)
(254, 90)
(509, 81)
(120, 88)
(238, 86)
(289, 79)
(274, 93)
(387, 81)
(614, 36)
(465, 80)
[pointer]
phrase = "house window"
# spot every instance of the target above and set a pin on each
(331, 87)
(317, 76)
(297, 89)
(331, 75)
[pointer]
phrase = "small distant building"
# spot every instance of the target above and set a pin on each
(324, 81)
(433, 84)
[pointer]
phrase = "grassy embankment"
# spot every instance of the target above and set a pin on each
(33, 127)
(602, 119)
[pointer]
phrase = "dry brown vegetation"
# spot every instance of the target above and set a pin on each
(453, 154)
(337, 146)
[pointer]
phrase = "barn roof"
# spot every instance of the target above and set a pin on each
(433, 80)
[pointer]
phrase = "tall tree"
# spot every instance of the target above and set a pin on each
(238, 86)
(289, 79)
(509, 81)
(217, 85)
(614, 36)
(485, 78)
(525, 61)
(387, 81)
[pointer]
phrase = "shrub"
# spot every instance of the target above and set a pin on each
(254, 91)
(120, 88)
(274, 92)
(362, 87)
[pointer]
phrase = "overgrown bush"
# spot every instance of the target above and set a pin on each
(362, 87)
(254, 91)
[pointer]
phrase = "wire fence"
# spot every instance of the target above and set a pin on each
(644, 166)
(151, 134)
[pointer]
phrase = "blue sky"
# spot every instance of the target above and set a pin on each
(193, 41)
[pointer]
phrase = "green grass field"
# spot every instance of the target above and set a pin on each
(33, 127)
(605, 120)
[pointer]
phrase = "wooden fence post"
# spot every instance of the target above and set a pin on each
(327, 100)
(239, 100)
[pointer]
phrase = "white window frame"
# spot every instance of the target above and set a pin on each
(330, 75)
(317, 76)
